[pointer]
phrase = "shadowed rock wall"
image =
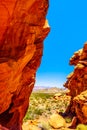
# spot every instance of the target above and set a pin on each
(77, 84)
(23, 28)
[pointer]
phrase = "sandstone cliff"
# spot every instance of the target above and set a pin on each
(23, 28)
(77, 84)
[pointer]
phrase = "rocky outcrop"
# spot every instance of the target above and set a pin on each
(23, 28)
(77, 84)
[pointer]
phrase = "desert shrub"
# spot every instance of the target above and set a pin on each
(45, 125)
(41, 95)
(68, 119)
(44, 104)
(81, 127)
(38, 111)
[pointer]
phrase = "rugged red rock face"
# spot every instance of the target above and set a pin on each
(77, 84)
(23, 28)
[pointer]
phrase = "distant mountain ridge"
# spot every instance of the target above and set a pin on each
(41, 87)
(47, 89)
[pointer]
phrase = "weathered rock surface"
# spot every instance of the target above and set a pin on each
(23, 28)
(77, 84)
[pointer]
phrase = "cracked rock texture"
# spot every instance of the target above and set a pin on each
(23, 28)
(77, 84)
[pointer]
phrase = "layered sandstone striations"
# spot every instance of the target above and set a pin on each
(77, 84)
(23, 28)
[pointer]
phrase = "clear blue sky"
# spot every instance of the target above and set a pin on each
(68, 22)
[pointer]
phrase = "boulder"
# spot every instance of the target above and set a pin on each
(57, 121)
(23, 28)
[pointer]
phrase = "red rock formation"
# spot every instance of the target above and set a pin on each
(77, 84)
(23, 28)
